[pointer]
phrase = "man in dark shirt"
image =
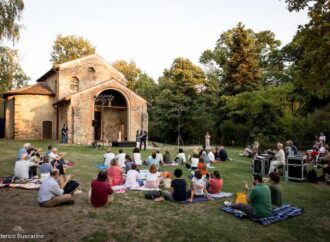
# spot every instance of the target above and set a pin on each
(222, 154)
(179, 186)
(65, 132)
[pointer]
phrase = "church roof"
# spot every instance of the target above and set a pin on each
(40, 88)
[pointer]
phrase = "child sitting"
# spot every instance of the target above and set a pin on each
(167, 181)
(132, 178)
(215, 183)
(100, 190)
(128, 163)
(179, 186)
(202, 166)
(152, 180)
(198, 186)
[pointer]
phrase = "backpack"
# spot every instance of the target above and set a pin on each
(312, 176)
(152, 195)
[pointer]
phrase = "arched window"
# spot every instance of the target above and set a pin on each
(74, 84)
(91, 70)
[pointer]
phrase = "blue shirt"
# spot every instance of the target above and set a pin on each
(46, 168)
(152, 161)
(21, 152)
(49, 188)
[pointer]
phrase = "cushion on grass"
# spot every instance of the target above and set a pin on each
(280, 213)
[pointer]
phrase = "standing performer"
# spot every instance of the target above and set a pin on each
(65, 132)
(207, 140)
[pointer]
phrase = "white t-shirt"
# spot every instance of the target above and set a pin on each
(152, 176)
(159, 156)
(182, 156)
(108, 157)
(131, 179)
(22, 168)
(121, 159)
(194, 162)
(322, 138)
(199, 185)
(52, 156)
(137, 159)
(211, 156)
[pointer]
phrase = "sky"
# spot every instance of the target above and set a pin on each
(150, 32)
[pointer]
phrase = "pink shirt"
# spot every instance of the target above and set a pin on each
(116, 173)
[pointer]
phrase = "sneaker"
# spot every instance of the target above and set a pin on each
(227, 203)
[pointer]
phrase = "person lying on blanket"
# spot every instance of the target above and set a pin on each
(259, 200)
(214, 183)
(198, 186)
(179, 187)
(153, 177)
(100, 190)
(51, 194)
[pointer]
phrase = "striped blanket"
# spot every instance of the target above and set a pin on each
(280, 213)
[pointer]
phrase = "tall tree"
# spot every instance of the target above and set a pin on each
(309, 51)
(70, 47)
(130, 71)
(10, 14)
(11, 73)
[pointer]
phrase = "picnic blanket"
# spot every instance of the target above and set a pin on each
(101, 167)
(196, 200)
(30, 184)
(172, 164)
(143, 188)
(220, 195)
(280, 213)
(122, 189)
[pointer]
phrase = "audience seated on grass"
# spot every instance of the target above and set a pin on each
(115, 173)
(152, 160)
(132, 180)
(121, 158)
(211, 155)
(179, 188)
(202, 166)
(22, 167)
(214, 183)
(259, 200)
(128, 163)
(198, 186)
(57, 160)
(275, 189)
(280, 158)
(167, 158)
(251, 151)
(201, 151)
(167, 181)
(137, 156)
(100, 190)
(49, 149)
(223, 153)
(51, 194)
(108, 157)
(181, 157)
(45, 168)
(194, 159)
(153, 177)
(205, 157)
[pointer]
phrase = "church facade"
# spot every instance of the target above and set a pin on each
(86, 94)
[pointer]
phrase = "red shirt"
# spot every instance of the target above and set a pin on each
(100, 192)
(202, 167)
(215, 185)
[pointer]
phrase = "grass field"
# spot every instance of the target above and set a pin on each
(132, 218)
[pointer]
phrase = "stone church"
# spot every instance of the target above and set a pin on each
(87, 94)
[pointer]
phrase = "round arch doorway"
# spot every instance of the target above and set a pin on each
(110, 116)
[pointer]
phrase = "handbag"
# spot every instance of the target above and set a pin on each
(241, 197)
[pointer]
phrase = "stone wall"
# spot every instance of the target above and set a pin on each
(112, 121)
(30, 112)
(81, 69)
(52, 82)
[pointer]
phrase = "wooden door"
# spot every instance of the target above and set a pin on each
(47, 129)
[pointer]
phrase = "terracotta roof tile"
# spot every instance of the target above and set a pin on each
(40, 88)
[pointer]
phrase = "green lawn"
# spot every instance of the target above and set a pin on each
(132, 218)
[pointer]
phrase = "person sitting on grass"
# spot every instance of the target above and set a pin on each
(115, 173)
(22, 167)
(205, 157)
(57, 160)
(159, 156)
(198, 186)
(152, 160)
(23, 151)
(202, 166)
(100, 190)
(132, 178)
(108, 157)
(181, 157)
(45, 169)
(194, 162)
(153, 177)
(179, 187)
(275, 189)
(215, 182)
(137, 156)
(51, 194)
(259, 200)
(128, 163)
(223, 154)
(167, 158)
(121, 158)
(211, 155)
